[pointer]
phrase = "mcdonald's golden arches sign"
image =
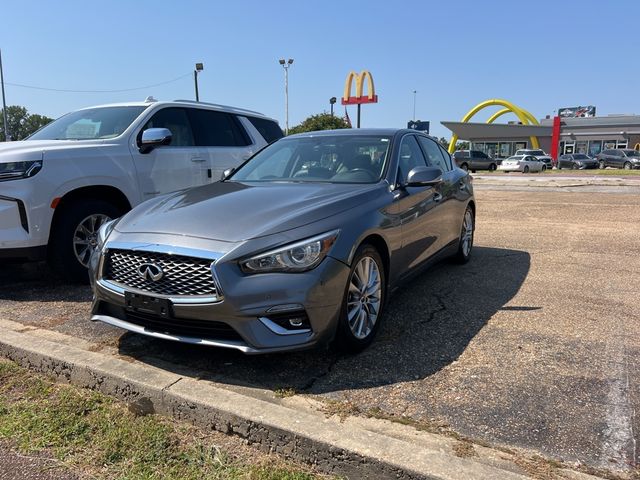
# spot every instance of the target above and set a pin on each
(360, 97)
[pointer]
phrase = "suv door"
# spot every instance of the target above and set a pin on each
(222, 137)
(175, 166)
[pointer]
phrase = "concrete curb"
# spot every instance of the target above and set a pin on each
(347, 449)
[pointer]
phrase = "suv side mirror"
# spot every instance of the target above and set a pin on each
(227, 173)
(154, 137)
(424, 177)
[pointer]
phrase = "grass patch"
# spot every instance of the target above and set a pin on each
(285, 392)
(96, 434)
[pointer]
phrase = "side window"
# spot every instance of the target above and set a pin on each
(410, 156)
(432, 152)
(447, 157)
(217, 129)
(177, 121)
(269, 129)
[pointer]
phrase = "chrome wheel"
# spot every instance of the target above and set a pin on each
(85, 237)
(467, 233)
(364, 297)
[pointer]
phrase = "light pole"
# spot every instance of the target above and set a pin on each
(199, 68)
(286, 66)
(414, 104)
(332, 102)
(7, 138)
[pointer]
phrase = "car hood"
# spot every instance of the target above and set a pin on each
(27, 150)
(234, 212)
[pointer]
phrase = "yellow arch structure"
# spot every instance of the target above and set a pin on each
(523, 115)
(637, 147)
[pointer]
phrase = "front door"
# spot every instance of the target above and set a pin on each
(179, 165)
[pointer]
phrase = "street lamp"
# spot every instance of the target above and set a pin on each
(332, 102)
(7, 138)
(199, 68)
(414, 104)
(286, 66)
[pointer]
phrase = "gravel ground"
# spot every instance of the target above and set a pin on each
(532, 344)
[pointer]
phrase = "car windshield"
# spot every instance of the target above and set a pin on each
(324, 158)
(632, 153)
(90, 124)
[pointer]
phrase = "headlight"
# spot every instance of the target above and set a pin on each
(296, 257)
(17, 170)
(104, 232)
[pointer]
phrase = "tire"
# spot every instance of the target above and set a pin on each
(574, 167)
(493, 167)
(463, 254)
(64, 254)
(627, 165)
(544, 168)
(525, 169)
(558, 166)
(355, 335)
(464, 167)
(602, 165)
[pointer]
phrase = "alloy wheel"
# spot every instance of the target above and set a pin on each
(364, 297)
(467, 233)
(85, 237)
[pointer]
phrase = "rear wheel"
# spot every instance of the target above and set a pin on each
(627, 165)
(74, 237)
(363, 301)
(464, 167)
(574, 167)
(466, 237)
(559, 167)
(525, 169)
(601, 165)
(492, 167)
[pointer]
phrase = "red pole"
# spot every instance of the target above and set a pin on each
(555, 139)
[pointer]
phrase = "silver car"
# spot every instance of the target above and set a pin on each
(299, 246)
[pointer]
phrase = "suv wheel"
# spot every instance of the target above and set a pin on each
(464, 167)
(627, 165)
(74, 237)
(601, 165)
(493, 167)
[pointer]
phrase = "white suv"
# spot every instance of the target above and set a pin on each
(58, 186)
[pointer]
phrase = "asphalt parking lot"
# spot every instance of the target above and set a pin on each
(532, 344)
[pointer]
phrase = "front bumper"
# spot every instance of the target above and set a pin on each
(248, 317)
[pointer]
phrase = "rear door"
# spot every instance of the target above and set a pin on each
(172, 167)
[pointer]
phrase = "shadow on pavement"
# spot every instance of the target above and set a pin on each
(427, 325)
(34, 281)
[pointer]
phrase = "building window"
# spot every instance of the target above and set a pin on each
(520, 146)
(595, 147)
(609, 145)
(581, 147)
(622, 144)
(505, 149)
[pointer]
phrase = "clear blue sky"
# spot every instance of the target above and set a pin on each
(539, 54)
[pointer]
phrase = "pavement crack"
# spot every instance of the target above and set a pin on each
(310, 384)
(441, 307)
(164, 389)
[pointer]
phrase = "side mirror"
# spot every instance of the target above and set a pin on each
(227, 173)
(424, 177)
(154, 137)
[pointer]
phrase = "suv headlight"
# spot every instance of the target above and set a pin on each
(297, 257)
(17, 170)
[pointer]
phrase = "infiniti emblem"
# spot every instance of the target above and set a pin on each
(150, 271)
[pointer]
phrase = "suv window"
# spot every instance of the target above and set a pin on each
(217, 129)
(461, 154)
(410, 156)
(432, 152)
(176, 120)
(269, 129)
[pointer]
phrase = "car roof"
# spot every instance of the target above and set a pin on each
(359, 131)
(184, 103)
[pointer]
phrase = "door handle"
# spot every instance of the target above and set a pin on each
(198, 159)
(437, 197)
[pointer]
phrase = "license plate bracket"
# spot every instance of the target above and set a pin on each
(137, 303)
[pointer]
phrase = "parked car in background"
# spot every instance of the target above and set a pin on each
(474, 160)
(576, 161)
(299, 245)
(539, 154)
(89, 166)
(522, 163)
(619, 158)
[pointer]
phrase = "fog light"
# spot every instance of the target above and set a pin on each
(296, 321)
(291, 320)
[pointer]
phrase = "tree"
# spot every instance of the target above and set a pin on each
(21, 123)
(459, 145)
(321, 121)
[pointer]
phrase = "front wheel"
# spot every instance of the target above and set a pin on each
(464, 167)
(601, 165)
(627, 165)
(544, 168)
(74, 237)
(465, 244)
(493, 167)
(363, 301)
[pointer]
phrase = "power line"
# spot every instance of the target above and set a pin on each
(33, 87)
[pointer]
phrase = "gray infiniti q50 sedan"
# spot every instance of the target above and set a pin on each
(299, 246)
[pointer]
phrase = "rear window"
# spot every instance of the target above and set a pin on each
(269, 129)
(217, 129)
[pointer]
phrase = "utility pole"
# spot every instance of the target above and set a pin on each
(286, 66)
(7, 137)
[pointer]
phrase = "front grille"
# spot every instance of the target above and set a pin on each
(178, 326)
(182, 275)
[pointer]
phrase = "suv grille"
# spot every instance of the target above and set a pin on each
(182, 275)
